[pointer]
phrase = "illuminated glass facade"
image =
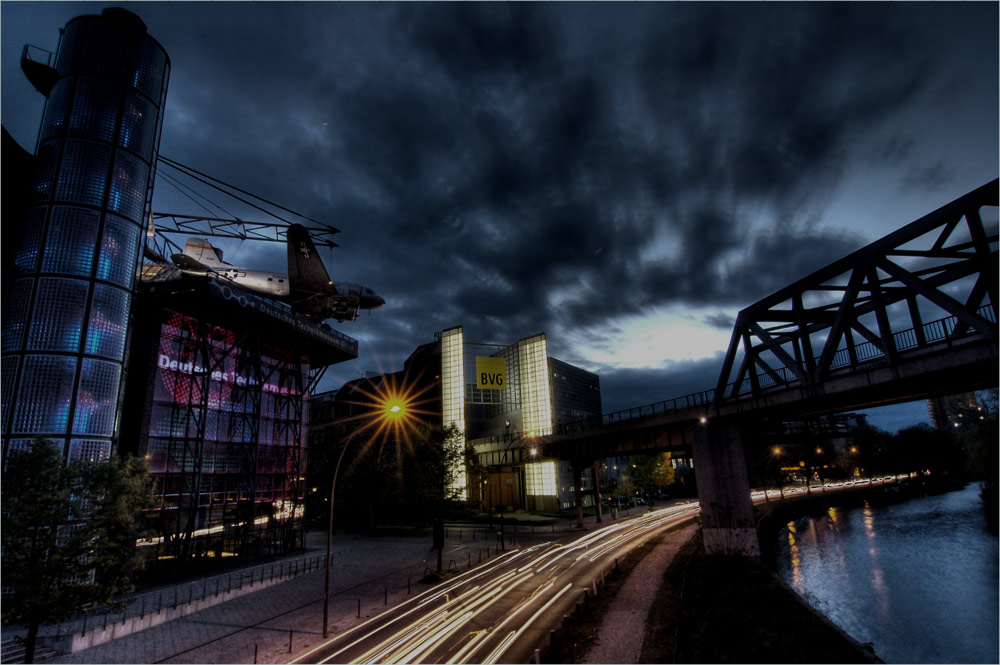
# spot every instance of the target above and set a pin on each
(540, 391)
(536, 398)
(223, 434)
(453, 394)
(66, 324)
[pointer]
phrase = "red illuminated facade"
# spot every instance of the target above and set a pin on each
(222, 419)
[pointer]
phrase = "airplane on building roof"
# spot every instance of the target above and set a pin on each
(307, 287)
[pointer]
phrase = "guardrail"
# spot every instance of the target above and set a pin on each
(935, 332)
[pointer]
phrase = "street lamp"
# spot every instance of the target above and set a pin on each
(777, 456)
(329, 541)
(390, 412)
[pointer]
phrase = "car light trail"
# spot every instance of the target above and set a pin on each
(430, 593)
(499, 651)
(487, 614)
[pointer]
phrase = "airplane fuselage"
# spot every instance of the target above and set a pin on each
(276, 285)
(324, 299)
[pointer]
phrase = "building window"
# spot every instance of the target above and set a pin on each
(83, 173)
(15, 317)
(45, 394)
(540, 479)
(86, 449)
(119, 251)
(95, 108)
(95, 402)
(31, 246)
(106, 330)
(128, 187)
(58, 319)
(138, 129)
(69, 247)
(56, 108)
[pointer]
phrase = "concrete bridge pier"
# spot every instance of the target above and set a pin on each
(578, 489)
(724, 490)
(597, 488)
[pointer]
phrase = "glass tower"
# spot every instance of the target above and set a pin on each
(66, 322)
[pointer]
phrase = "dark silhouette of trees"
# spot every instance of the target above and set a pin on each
(69, 534)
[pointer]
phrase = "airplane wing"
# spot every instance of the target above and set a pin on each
(307, 275)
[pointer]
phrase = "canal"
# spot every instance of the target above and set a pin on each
(916, 579)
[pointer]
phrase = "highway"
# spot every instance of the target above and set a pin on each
(502, 610)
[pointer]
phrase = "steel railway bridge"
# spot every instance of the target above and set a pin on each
(910, 316)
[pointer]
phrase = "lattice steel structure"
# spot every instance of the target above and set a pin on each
(932, 283)
(221, 419)
(161, 226)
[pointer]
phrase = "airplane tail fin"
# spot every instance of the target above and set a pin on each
(202, 251)
(307, 275)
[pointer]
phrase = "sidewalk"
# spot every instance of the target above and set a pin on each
(617, 641)
(266, 612)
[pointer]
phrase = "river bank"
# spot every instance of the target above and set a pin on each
(716, 610)
(913, 573)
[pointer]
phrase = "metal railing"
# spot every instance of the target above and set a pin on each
(940, 330)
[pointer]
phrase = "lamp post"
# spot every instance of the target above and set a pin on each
(393, 408)
(781, 485)
(329, 542)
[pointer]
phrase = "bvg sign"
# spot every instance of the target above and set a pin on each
(491, 373)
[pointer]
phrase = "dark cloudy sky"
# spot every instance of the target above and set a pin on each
(624, 177)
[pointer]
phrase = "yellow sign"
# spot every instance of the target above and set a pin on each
(491, 373)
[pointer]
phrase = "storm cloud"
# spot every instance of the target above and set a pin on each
(525, 167)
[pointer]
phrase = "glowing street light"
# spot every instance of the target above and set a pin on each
(391, 412)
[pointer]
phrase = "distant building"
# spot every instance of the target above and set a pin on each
(495, 395)
(949, 411)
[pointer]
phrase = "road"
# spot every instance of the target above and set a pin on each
(502, 610)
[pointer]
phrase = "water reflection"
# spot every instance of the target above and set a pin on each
(795, 561)
(918, 579)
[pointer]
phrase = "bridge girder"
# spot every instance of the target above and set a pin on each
(944, 262)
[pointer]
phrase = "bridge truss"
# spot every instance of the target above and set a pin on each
(932, 282)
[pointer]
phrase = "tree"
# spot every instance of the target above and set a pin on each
(68, 534)
(651, 472)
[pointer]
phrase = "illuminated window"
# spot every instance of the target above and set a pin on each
(69, 247)
(15, 317)
(31, 245)
(58, 317)
(87, 449)
(453, 393)
(138, 129)
(44, 397)
(57, 107)
(150, 71)
(535, 396)
(95, 402)
(8, 373)
(95, 109)
(106, 330)
(128, 187)
(83, 172)
(45, 171)
(119, 251)
(540, 479)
